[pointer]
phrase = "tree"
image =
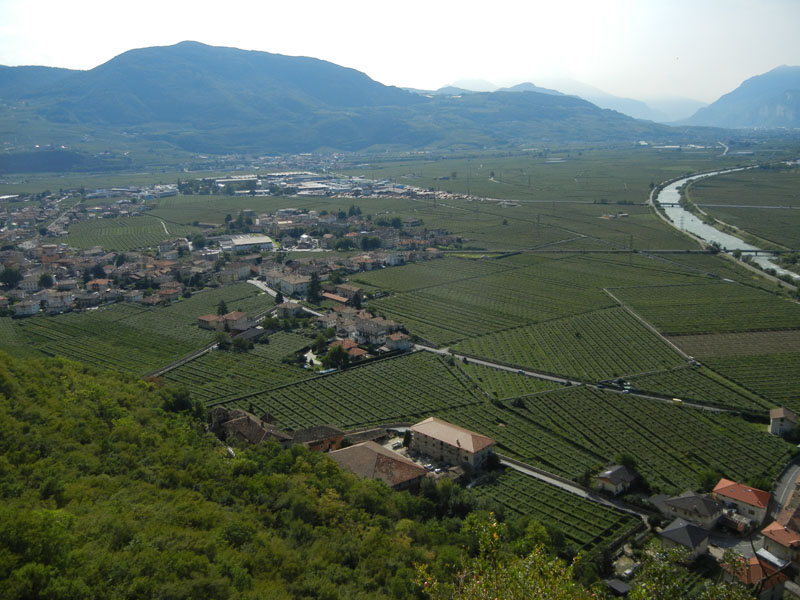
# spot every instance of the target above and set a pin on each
(46, 280)
(241, 344)
(222, 308)
(370, 243)
(314, 287)
(278, 298)
(223, 340)
(336, 358)
(356, 301)
(11, 277)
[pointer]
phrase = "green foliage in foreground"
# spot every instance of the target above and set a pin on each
(105, 494)
(110, 488)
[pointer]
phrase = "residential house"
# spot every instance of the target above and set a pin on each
(321, 438)
(696, 508)
(26, 308)
(782, 421)
(98, 285)
(781, 541)
(169, 294)
(373, 461)
(398, 341)
(289, 310)
(245, 427)
(450, 443)
(749, 502)
(681, 533)
(615, 479)
(236, 321)
(755, 571)
(349, 291)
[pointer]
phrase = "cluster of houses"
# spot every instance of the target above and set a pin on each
(432, 439)
(362, 327)
(741, 509)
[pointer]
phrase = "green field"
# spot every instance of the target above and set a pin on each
(710, 308)
(129, 337)
(219, 375)
(406, 388)
(764, 202)
(578, 430)
(702, 386)
(125, 233)
(775, 377)
(593, 346)
(501, 384)
(587, 525)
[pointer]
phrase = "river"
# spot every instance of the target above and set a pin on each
(669, 196)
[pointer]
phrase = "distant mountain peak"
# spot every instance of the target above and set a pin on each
(770, 100)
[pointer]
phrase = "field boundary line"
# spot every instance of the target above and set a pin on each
(647, 324)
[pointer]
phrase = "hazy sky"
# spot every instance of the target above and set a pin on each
(698, 49)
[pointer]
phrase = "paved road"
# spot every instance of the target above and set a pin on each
(572, 488)
(486, 363)
(262, 286)
(563, 380)
(783, 488)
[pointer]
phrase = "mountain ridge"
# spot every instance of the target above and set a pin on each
(204, 98)
(769, 100)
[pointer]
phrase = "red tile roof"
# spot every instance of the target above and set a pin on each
(753, 570)
(783, 535)
(742, 493)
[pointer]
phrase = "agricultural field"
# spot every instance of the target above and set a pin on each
(129, 337)
(763, 202)
(584, 175)
(125, 233)
(700, 385)
(405, 388)
(753, 187)
(735, 344)
(501, 384)
(721, 267)
(710, 308)
(594, 346)
(576, 431)
(449, 300)
(218, 375)
(776, 377)
(586, 525)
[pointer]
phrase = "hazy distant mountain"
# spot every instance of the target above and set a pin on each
(770, 100)
(209, 99)
(474, 85)
(530, 87)
(674, 108)
(628, 106)
(20, 81)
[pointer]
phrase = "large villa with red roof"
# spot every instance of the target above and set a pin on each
(749, 502)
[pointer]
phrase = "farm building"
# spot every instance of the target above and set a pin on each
(754, 572)
(691, 506)
(681, 533)
(615, 479)
(782, 421)
(450, 443)
(289, 310)
(320, 438)
(246, 427)
(373, 461)
(781, 541)
(749, 502)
